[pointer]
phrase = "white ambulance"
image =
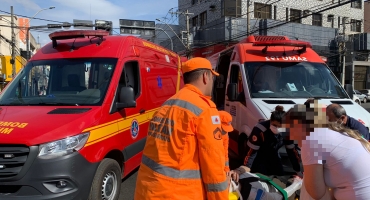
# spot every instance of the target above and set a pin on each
(262, 72)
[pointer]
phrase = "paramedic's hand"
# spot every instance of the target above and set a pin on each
(234, 175)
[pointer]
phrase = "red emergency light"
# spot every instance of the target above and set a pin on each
(64, 35)
(290, 43)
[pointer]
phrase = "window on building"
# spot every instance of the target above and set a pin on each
(194, 2)
(355, 25)
(230, 8)
(275, 14)
(295, 15)
(317, 19)
(203, 18)
(195, 21)
(356, 4)
(262, 11)
(331, 20)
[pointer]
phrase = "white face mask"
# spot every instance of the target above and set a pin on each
(274, 129)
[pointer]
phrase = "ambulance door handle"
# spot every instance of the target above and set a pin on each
(142, 111)
(227, 105)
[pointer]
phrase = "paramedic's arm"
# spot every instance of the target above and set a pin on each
(211, 156)
(293, 155)
(253, 145)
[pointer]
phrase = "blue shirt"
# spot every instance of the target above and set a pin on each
(356, 125)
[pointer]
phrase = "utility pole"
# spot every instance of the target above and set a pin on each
(248, 18)
(187, 14)
(343, 52)
(12, 61)
(187, 32)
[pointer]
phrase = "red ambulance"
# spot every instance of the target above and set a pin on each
(74, 121)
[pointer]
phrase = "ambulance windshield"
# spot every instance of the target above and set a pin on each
(292, 80)
(61, 82)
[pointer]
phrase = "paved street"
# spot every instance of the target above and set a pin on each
(128, 184)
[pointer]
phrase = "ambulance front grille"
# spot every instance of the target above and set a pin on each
(12, 159)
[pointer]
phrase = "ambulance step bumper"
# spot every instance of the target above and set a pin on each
(66, 177)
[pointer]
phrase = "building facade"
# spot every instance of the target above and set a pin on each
(206, 11)
(20, 46)
(367, 16)
(321, 22)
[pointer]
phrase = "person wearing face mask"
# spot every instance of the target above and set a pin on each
(263, 144)
(336, 113)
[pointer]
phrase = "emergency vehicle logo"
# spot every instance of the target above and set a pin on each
(159, 81)
(254, 138)
(216, 119)
(217, 133)
(134, 129)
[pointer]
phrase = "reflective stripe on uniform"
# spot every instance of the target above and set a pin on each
(217, 187)
(184, 104)
(167, 171)
(290, 146)
(227, 163)
(252, 146)
(261, 127)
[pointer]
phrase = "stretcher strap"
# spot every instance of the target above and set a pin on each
(267, 179)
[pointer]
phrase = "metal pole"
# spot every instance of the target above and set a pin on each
(12, 61)
(248, 18)
(27, 42)
(28, 30)
(167, 36)
(344, 51)
(187, 32)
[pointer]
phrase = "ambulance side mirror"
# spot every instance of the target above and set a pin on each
(349, 90)
(231, 91)
(126, 98)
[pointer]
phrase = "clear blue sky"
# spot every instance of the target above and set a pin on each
(67, 10)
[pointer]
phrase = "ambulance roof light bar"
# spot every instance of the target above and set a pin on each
(73, 34)
(291, 43)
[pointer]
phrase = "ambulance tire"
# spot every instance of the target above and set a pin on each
(242, 142)
(107, 181)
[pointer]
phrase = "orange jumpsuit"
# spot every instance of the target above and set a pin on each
(184, 158)
(226, 126)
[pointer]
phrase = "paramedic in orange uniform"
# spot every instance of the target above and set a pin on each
(184, 156)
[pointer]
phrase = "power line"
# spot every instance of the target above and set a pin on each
(33, 18)
(324, 8)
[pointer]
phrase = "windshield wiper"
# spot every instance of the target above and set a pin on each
(58, 104)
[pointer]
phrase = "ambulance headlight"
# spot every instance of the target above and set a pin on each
(63, 147)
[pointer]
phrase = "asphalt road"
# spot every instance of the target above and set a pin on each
(128, 184)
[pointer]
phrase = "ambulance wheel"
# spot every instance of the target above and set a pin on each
(357, 101)
(107, 181)
(365, 100)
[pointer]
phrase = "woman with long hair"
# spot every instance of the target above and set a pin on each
(333, 156)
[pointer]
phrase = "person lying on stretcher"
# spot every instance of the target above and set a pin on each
(257, 186)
